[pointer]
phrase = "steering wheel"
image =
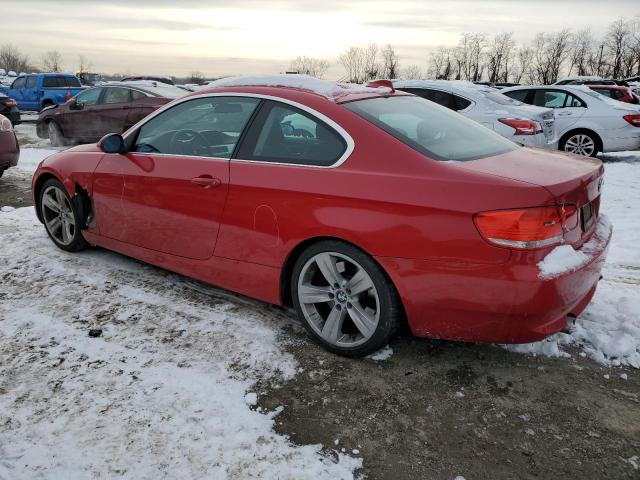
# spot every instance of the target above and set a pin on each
(188, 142)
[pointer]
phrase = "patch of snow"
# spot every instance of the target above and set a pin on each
(7, 209)
(382, 354)
(561, 260)
(30, 158)
(459, 395)
(324, 88)
(160, 394)
(623, 376)
(251, 398)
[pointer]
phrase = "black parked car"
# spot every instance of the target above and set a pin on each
(9, 108)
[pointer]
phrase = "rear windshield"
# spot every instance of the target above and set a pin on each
(60, 82)
(432, 130)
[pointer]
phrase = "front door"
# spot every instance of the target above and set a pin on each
(168, 194)
(77, 119)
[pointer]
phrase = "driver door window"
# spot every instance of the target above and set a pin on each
(204, 127)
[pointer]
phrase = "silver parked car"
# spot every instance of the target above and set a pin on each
(510, 118)
(586, 121)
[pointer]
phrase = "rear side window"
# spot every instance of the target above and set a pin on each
(461, 103)
(432, 130)
(31, 82)
(285, 134)
(437, 96)
(137, 95)
(116, 95)
(519, 95)
(203, 127)
(60, 82)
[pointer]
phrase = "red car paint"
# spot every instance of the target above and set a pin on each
(9, 148)
(620, 93)
(412, 214)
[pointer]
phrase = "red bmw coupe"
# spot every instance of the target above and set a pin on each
(361, 207)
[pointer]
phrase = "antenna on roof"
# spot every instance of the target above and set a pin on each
(381, 83)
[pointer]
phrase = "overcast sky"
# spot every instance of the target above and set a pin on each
(261, 36)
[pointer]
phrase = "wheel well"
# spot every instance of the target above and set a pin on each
(287, 269)
(47, 103)
(36, 191)
(596, 137)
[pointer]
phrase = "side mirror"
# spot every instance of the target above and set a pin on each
(75, 105)
(112, 143)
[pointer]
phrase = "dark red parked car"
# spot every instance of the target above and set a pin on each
(105, 109)
(9, 147)
(622, 94)
(361, 207)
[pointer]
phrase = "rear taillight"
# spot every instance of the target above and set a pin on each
(9, 103)
(522, 127)
(633, 119)
(5, 124)
(527, 228)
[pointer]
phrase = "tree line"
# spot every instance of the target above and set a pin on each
(499, 58)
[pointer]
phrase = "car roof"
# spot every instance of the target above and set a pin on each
(283, 85)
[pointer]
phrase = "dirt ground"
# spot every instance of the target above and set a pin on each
(436, 410)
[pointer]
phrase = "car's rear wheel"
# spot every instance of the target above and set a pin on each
(581, 143)
(60, 216)
(344, 299)
(55, 134)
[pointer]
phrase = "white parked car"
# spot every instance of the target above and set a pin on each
(586, 121)
(512, 119)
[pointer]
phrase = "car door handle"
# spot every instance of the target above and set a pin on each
(206, 181)
(565, 114)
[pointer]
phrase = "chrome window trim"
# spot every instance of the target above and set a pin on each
(337, 128)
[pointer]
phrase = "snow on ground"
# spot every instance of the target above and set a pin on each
(159, 391)
(609, 329)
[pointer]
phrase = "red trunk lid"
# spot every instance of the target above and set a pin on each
(569, 178)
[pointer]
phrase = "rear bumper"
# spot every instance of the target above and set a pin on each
(507, 303)
(538, 140)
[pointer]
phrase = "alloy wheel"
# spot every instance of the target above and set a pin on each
(58, 215)
(338, 299)
(580, 144)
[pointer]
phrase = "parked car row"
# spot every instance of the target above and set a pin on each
(361, 207)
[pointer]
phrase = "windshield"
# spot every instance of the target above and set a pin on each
(432, 130)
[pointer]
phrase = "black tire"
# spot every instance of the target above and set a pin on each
(77, 241)
(580, 134)
(390, 313)
(1, 172)
(55, 134)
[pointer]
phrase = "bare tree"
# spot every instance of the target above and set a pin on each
(52, 61)
(196, 77)
(550, 53)
(84, 64)
(372, 68)
(616, 43)
(390, 63)
(12, 59)
(581, 51)
(499, 57)
(412, 72)
(361, 64)
(440, 63)
(522, 70)
(316, 67)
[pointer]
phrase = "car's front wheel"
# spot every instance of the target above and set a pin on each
(60, 216)
(344, 299)
(55, 134)
(581, 143)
